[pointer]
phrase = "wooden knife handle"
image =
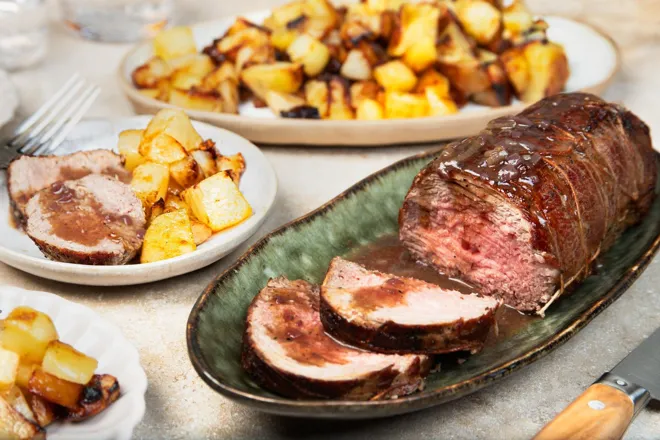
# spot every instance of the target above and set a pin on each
(602, 412)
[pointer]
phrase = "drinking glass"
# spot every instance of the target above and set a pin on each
(117, 20)
(23, 33)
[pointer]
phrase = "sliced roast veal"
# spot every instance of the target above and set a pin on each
(27, 175)
(522, 209)
(387, 313)
(286, 350)
(94, 220)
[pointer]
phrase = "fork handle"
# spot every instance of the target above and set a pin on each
(603, 412)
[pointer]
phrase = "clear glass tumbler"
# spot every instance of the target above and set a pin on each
(117, 20)
(23, 33)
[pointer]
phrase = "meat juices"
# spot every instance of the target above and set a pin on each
(386, 313)
(29, 174)
(95, 220)
(522, 210)
(286, 350)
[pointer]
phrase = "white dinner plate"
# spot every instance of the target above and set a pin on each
(86, 331)
(258, 184)
(8, 98)
(592, 57)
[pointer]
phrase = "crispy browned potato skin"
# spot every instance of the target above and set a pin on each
(13, 426)
(55, 390)
(102, 391)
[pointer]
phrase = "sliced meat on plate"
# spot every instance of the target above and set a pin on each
(29, 174)
(286, 350)
(387, 313)
(95, 220)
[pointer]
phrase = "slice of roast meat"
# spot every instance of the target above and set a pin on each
(29, 174)
(286, 350)
(94, 220)
(522, 209)
(386, 313)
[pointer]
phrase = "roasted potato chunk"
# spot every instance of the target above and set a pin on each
(174, 43)
(280, 77)
(364, 90)
(283, 15)
(186, 172)
(217, 202)
(54, 389)
(175, 124)
(311, 53)
(169, 235)
(175, 203)
(339, 107)
(517, 69)
(13, 426)
(14, 396)
(195, 99)
(516, 19)
(196, 64)
(150, 182)
(27, 332)
(129, 148)
(235, 165)
(65, 362)
(206, 161)
(480, 19)
(44, 411)
(282, 102)
(149, 75)
(418, 22)
(395, 76)
(201, 232)
(405, 105)
(23, 374)
(369, 110)
(548, 69)
(356, 66)
(440, 103)
(101, 391)
(317, 94)
(8, 368)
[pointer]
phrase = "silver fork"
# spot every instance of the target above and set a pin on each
(45, 130)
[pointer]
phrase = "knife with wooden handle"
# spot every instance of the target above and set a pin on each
(606, 409)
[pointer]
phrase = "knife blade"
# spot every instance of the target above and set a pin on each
(607, 408)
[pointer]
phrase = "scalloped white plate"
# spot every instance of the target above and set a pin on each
(258, 184)
(593, 59)
(82, 328)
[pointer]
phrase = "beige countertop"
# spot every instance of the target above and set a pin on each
(153, 316)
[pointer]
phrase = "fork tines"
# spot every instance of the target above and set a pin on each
(45, 130)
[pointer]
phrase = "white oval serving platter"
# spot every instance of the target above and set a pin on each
(592, 56)
(258, 184)
(86, 331)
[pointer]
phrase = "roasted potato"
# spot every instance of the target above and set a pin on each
(440, 102)
(217, 202)
(280, 77)
(14, 396)
(480, 19)
(129, 148)
(364, 90)
(433, 78)
(27, 332)
(400, 105)
(186, 172)
(169, 235)
(8, 368)
(395, 76)
(44, 411)
(156, 210)
(23, 374)
(174, 43)
(339, 107)
(150, 182)
(517, 69)
(175, 203)
(101, 391)
(369, 110)
(356, 66)
(54, 389)
(311, 53)
(196, 99)
(149, 75)
(66, 363)
(13, 426)
(281, 16)
(281, 102)
(235, 165)
(548, 70)
(498, 92)
(418, 23)
(175, 124)
(516, 19)
(206, 161)
(200, 232)
(317, 94)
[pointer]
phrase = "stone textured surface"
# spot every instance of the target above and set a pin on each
(153, 316)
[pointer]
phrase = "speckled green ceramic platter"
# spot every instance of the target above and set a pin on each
(361, 215)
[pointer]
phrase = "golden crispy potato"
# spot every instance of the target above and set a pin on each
(196, 64)
(151, 73)
(65, 362)
(44, 411)
(280, 77)
(129, 148)
(150, 182)
(369, 110)
(14, 396)
(362, 90)
(356, 66)
(283, 15)
(498, 92)
(311, 53)
(183, 80)
(23, 374)
(13, 426)
(282, 102)
(8, 368)
(421, 54)
(548, 70)
(231, 44)
(281, 38)
(321, 18)
(27, 332)
(176, 124)
(169, 235)
(217, 202)
(106, 390)
(186, 172)
(339, 107)
(417, 24)
(395, 76)
(440, 103)
(225, 72)
(194, 99)
(156, 209)
(454, 46)
(174, 42)
(235, 165)
(317, 94)
(405, 105)
(516, 68)
(201, 232)
(176, 203)
(480, 19)
(206, 161)
(433, 78)
(54, 389)
(161, 148)
(516, 19)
